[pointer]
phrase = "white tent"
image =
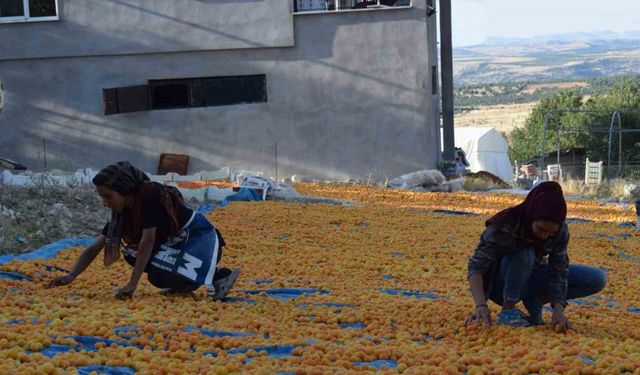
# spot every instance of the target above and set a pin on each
(486, 150)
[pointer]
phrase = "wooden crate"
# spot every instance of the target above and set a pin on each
(173, 163)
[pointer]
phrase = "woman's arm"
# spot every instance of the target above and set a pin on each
(477, 289)
(486, 254)
(145, 248)
(559, 269)
(558, 281)
(481, 314)
(85, 259)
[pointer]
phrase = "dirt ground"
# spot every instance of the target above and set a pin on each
(503, 117)
(31, 217)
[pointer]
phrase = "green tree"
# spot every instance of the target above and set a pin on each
(527, 140)
(623, 95)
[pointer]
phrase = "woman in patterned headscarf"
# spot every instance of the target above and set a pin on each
(177, 247)
(522, 256)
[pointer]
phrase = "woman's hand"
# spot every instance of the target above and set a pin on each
(481, 316)
(60, 281)
(559, 322)
(126, 292)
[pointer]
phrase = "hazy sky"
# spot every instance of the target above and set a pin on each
(475, 20)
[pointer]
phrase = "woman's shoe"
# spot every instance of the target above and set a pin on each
(221, 288)
(513, 318)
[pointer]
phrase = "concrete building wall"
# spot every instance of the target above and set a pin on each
(104, 27)
(352, 97)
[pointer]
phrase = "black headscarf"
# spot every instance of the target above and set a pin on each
(124, 178)
(545, 201)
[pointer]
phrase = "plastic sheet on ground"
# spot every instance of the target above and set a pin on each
(212, 333)
(243, 195)
(378, 364)
(354, 325)
(409, 293)
(106, 370)
(86, 343)
(578, 220)
(48, 251)
(14, 276)
(286, 293)
(458, 213)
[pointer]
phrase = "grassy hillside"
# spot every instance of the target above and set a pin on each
(507, 105)
(554, 60)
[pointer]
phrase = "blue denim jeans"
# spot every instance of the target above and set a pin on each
(518, 280)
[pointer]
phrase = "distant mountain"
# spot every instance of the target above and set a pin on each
(550, 57)
(567, 37)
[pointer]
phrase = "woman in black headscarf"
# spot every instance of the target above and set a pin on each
(522, 256)
(177, 247)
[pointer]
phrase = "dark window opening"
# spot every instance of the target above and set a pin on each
(11, 8)
(186, 93)
(229, 90)
(125, 99)
(42, 8)
(169, 94)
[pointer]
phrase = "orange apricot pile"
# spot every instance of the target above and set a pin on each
(392, 242)
(473, 202)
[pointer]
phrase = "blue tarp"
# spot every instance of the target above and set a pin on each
(627, 224)
(260, 282)
(50, 268)
(243, 195)
(286, 293)
(133, 330)
(18, 321)
(49, 251)
(578, 220)
(457, 213)
(239, 299)
(275, 351)
(612, 236)
(355, 325)
(14, 276)
(204, 208)
(86, 343)
(211, 333)
(379, 363)
(408, 293)
(587, 359)
(107, 370)
(629, 257)
(609, 303)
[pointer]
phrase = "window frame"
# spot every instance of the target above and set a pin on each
(140, 98)
(348, 10)
(27, 17)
